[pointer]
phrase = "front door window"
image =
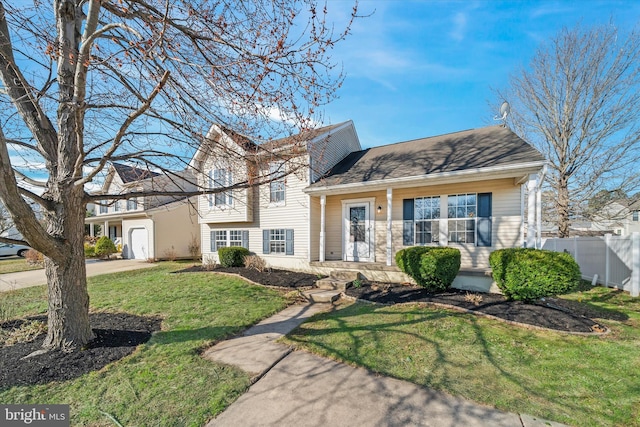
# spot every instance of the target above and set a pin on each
(357, 231)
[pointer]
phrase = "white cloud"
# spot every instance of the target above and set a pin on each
(459, 26)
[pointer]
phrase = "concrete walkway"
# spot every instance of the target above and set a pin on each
(295, 388)
(25, 279)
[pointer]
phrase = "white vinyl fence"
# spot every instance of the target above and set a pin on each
(613, 261)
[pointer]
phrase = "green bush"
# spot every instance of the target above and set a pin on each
(433, 268)
(89, 250)
(104, 247)
(232, 256)
(528, 274)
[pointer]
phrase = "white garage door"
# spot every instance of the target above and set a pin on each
(138, 242)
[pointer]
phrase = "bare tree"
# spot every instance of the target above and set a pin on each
(86, 82)
(578, 103)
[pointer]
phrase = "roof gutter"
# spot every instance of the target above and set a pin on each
(428, 179)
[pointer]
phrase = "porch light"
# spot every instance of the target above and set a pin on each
(379, 208)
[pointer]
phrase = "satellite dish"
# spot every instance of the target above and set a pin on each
(505, 109)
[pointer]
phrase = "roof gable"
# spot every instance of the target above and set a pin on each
(472, 149)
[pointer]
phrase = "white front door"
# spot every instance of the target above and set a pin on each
(358, 232)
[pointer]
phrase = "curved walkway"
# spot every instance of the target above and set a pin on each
(25, 279)
(296, 388)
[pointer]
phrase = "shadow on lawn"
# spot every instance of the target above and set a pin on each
(447, 365)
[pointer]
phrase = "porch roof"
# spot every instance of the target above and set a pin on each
(485, 153)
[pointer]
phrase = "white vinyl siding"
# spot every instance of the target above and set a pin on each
(221, 178)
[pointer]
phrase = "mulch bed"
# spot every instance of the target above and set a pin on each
(117, 335)
(550, 313)
(272, 277)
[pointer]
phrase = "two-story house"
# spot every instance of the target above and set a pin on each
(147, 227)
(329, 204)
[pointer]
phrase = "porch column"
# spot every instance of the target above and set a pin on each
(539, 215)
(105, 229)
(323, 205)
(389, 224)
(92, 230)
(531, 210)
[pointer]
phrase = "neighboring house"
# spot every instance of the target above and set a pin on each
(150, 227)
(619, 217)
(346, 205)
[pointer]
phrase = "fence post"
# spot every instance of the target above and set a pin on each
(607, 258)
(635, 264)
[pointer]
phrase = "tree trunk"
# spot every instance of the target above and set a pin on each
(68, 319)
(563, 207)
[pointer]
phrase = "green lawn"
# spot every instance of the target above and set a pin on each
(165, 382)
(582, 381)
(14, 265)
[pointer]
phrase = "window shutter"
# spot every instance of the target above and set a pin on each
(213, 241)
(289, 242)
(407, 222)
(245, 239)
(265, 241)
(484, 219)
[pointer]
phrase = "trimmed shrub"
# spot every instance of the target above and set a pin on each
(232, 256)
(433, 268)
(104, 247)
(89, 250)
(527, 274)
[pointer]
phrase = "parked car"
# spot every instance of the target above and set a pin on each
(11, 250)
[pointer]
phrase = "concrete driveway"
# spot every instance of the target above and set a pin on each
(24, 279)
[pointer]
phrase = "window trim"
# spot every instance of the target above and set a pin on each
(431, 220)
(221, 199)
(244, 235)
(275, 168)
(132, 202)
(288, 234)
(482, 221)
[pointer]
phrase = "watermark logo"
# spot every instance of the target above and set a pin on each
(34, 415)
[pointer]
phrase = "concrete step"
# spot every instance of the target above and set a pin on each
(333, 284)
(345, 275)
(321, 295)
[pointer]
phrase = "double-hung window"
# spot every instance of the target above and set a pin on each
(467, 220)
(461, 211)
(635, 215)
(220, 178)
(225, 238)
(277, 186)
(104, 208)
(116, 206)
(277, 241)
(427, 220)
(132, 204)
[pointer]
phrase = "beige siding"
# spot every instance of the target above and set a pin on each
(174, 231)
(293, 214)
(326, 153)
(334, 222)
(314, 231)
(241, 209)
(506, 224)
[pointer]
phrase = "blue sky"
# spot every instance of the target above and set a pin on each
(423, 68)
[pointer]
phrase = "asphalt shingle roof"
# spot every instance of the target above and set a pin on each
(131, 173)
(478, 148)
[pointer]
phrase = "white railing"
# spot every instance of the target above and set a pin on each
(612, 261)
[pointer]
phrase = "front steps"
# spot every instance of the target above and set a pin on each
(330, 288)
(339, 280)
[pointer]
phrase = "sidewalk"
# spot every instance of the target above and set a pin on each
(296, 388)
(25, 279)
